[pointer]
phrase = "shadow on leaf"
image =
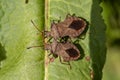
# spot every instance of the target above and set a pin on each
(2, 54)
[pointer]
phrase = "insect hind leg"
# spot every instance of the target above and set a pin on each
(65, 63)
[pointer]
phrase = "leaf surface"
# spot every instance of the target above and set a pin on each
(91, 47)
(16, 34)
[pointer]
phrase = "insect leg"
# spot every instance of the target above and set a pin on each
(68, 15)
(60, 59)
(69, 65)
(65, 63)
(49, 54)
(73, 14)
(59, 19)
(49, 39)
(33, 47)
(51, 59)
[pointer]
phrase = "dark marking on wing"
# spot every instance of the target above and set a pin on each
(72, 52)
(77, 24)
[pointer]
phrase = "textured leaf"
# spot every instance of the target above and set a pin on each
(16, 34)
(93, 45)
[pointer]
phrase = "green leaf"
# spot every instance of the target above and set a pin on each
(92, 46)
(17, 33)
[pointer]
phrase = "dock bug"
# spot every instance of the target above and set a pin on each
(72, 26)
(65, 50)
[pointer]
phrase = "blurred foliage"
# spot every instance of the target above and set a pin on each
(111, 69)
(111, 15)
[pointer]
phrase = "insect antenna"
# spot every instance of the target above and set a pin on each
(42, 36)
(36, 26)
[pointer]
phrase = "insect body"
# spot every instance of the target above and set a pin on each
(72, 26)
(67, 50)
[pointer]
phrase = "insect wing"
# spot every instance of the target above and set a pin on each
(71, 52)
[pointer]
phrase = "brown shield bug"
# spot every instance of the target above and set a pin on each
(72, 26)
(65, 50)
